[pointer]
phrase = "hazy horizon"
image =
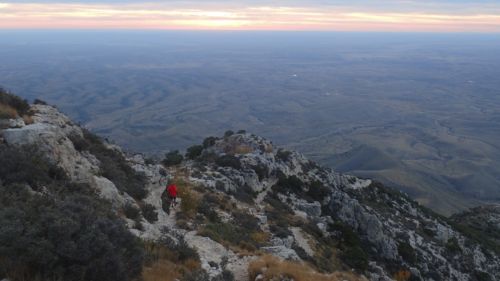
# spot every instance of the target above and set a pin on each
(360, 15)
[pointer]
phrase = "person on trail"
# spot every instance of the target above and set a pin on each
(172, 194)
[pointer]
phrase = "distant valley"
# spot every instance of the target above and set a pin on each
(421, 113)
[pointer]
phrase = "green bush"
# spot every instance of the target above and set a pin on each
(289, 184)
(208, 142)
(196, 275)
(228, 161)
(172, 158)
(350, 244)
(356, 258)
(39, 101)
(20, 105)
(407, 252)
(194, 151)
(283, 155)
(149, 213)
(131, 212)
(180, 247)
(228, 133)
(261, 170)
(482, 276)
(225, 275)
(317, 191)
(452, 246)
(26, 164)
(113, 165)
(66, 234)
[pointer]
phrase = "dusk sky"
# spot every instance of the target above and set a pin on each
(354, 15)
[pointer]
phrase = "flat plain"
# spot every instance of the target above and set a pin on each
(419, 112)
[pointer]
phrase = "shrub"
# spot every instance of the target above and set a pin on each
(261, 170)
(197, 275)
(244, 194)
(289, 184)
(172, 158)
(207, 209)
(228, 133)
(240, 149)
(180, 248)
(131, 212)
(149, 213)
(194, 151)
(402, 275)
(113, 165)
(317, 191)
(280, 230)
(72, 237)
(169, 260)
(482, 276)
(223, 232)
(208, 142)
(407, 252)
(272, 268)
(452, 246)
(228, 161)
(39, 101)
(7, 112)
(234, 233)
(246, 221)
(189, 199)
(226, 275)
(350, 244)
(283, 155)
(356, 258)
(26, 164)
(20, 105)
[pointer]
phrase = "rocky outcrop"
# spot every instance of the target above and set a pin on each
(287, 205)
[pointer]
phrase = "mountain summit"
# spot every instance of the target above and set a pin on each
(75, 207)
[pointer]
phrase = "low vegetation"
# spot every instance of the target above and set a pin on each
(228, 161)
(352, 252)
(113, 165)
(12, 106)
(272, 268)
(69, 235)
(194, 151)
(169, 260)
(172, 158)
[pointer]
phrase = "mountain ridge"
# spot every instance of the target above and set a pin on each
(244, 199)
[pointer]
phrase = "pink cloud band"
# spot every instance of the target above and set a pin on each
(160, 16)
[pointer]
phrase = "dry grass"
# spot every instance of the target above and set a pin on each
(166, 265)
(190, 199)
(268, 148)
(163, 270)
(402, 275)
(260, 237)
(272, 267)
(28, 119)
(7, 112)
(242, 149)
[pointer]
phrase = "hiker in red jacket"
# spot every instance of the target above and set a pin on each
(172, 194)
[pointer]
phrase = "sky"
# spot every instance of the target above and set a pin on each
(317, 15)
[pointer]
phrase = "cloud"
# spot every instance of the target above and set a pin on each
(286, 15)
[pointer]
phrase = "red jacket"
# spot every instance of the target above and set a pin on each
(172, 190)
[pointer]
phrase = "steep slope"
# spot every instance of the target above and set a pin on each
(252, 211)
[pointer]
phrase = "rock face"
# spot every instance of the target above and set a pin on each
(282, 204)
(395, 231)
